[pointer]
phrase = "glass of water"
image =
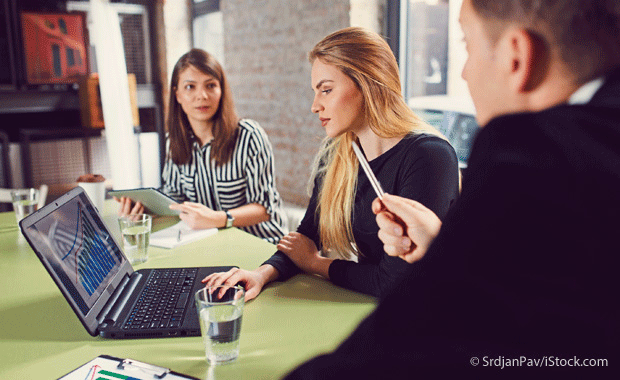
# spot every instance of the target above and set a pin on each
(25, 202)
(136, 231)
(220, 321)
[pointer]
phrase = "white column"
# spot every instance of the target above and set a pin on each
(178, 31)
(367, 14)
(457, 55)
(121, 141)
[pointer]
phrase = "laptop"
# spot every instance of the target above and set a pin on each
(107, 295)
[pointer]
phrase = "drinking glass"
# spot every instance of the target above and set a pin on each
(25, 202)
(220, 321)
(136, 231)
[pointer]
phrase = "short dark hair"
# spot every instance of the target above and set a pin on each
(225, 124)
(586, 33)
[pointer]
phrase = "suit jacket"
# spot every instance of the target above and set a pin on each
(525, 265)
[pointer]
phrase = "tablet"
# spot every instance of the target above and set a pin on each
(151, 198)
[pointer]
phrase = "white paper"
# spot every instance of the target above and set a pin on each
(170, 238)
(104, 368)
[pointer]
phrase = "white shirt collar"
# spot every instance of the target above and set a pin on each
(586, 92)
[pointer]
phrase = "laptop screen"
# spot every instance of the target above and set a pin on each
(78, 249)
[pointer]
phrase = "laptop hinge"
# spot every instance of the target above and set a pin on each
(118, 300)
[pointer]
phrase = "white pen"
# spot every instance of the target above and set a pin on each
(371, 176)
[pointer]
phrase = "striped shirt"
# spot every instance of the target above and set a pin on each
(248, 177)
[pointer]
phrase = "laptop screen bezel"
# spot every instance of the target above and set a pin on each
(90, 319)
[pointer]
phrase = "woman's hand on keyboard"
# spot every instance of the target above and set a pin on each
(252, 281)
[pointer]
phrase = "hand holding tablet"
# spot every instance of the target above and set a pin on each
(152, 199)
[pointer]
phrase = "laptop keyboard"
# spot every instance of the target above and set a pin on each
(163, 299)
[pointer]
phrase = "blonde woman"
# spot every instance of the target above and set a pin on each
(358, 98)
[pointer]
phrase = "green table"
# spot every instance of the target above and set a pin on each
(290, 322)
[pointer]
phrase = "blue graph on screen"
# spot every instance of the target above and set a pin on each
(92, 258)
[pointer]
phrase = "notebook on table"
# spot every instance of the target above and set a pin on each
(179, 234)
(107, 295)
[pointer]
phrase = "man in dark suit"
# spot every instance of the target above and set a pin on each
(523, 271)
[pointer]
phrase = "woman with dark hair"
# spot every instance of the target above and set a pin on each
(220, 167)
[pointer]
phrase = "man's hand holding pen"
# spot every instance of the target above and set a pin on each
(406, 227)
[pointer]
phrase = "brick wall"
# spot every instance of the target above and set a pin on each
(266, 44)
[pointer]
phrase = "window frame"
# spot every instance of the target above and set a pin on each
(204, 7)
(9, 18)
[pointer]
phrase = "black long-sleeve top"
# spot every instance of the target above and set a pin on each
(420, 167)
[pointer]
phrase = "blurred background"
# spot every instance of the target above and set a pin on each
(52, 127)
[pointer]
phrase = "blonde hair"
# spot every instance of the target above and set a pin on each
(367, 59)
